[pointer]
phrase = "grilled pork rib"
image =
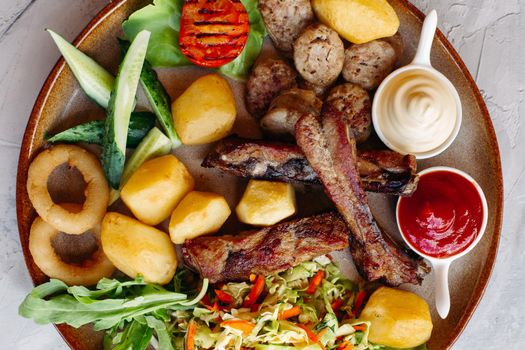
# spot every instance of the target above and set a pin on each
(380, 171)
(268, 250)
(332, 154)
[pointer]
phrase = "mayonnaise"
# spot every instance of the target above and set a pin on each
(418, 113)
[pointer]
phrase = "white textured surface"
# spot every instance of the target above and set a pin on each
(489, 35)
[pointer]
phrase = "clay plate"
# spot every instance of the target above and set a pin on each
(62, 104)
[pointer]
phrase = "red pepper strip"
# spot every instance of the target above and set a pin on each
(214, 308)
(224, 297)
(358, 302)
(255, 307)
(336, 305)
(190, 335)
(205, 301)
(256, 291)
(316, 282)
(360, 327)
(313, 338)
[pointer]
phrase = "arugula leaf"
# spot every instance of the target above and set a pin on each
(136, 336)
(162, 19)
(162, 332)
(106, 307)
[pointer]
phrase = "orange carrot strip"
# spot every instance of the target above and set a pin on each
(245, 326)
(345, 346)
(190, 335)
(286, 314)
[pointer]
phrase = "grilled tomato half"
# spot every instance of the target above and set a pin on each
(213, 33)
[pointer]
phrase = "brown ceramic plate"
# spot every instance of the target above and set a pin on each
(62, 104)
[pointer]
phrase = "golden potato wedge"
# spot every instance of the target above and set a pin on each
(199, 213)
(156, 188)
(398, 318)
(135, 248)
(265, 203)
(205, 112)
(358, 21)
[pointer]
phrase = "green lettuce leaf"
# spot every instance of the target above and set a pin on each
(162, 19)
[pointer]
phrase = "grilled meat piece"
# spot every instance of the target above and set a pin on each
(286, 109)
(268, 250)
(355, 106)
(369, 64)
(380, 171)
(332, 154)
(268, 78)
(319, 55)
(284, 20)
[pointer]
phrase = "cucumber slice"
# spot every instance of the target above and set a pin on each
(93, 132)
(120, 107)
(157, 97)
(154, 145)
(96, 82)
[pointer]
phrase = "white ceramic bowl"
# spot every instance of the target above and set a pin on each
(421, 62)
(442, 265)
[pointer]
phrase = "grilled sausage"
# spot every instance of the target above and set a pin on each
(267, 80)
(356, 108)
(284, 20)
(368, 64)
(287, 108)
(319, 54)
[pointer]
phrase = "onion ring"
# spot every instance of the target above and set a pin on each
(96, 192)
(88, 273)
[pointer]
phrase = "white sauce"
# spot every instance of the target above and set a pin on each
(418, 112)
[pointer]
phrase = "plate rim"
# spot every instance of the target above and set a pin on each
(42, 98)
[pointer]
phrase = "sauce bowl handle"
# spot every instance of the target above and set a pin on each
(441, 287)
(425, 41)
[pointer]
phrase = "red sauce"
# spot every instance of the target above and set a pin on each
(443, 217)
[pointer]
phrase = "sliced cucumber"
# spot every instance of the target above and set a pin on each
(96, 82)
(157, 97)
(120, 107)
(93, 132)
(154, 145)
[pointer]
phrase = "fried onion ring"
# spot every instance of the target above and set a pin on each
(96, 192)
(87, 273)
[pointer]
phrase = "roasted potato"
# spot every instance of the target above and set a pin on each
(358, 21)
(205, 112)
(135, 248)
(198, 213)
(156, 188)
(265, 203)
(398, 318)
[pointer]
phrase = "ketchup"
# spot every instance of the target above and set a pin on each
(444, 216)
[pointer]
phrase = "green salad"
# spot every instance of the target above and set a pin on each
(311, 306)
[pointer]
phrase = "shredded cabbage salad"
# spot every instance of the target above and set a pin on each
(311, 306)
